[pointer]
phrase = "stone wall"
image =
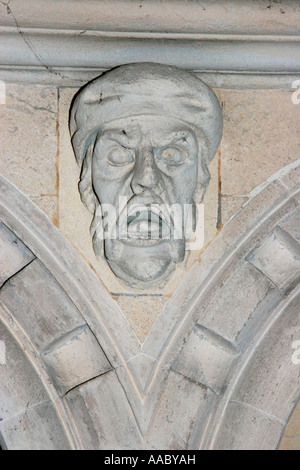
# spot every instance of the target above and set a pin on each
(250, 58)
(261, 135)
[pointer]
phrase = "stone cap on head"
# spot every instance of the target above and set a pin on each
(141, 89)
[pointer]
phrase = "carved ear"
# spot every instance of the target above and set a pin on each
(87, 194)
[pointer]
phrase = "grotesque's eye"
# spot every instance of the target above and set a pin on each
(120, 156)
(172, 156)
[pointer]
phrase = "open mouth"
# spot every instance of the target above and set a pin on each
(145, 225)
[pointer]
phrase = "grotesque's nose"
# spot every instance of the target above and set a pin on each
(146, 175)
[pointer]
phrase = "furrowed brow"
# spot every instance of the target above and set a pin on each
(121, 137)
(172, 138)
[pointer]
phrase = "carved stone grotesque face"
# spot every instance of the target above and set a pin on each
(144, 134)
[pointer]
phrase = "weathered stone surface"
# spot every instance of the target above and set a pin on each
(210, 202)
(257, 141)
(141, 311)
(179, 410)
(230, 206)
(235, 301)
(248, 428)
(20, 384)
(292, 224)
(49, 205)
(74, 218)
(291, 179)
(269, 383)
(14, 255)
(142, 368)
(29, 138)
(152, 146)
(177, 417)
(40, 305)
(205, 358)
(101, 407)
(278, 257)
(74, 359)
(35, 428)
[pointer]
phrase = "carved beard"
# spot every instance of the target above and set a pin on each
(137, 263)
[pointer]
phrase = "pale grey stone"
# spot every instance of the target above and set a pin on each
(75, 358)
(68, 269)
(20, 384)
(291, 179)
(270, 382)
(107, 421)
(75, 220)
(292, 224)
(14, 255)
(234, 301)
(40, 304)
(35, 428)
(29, 139)
(124, 152)
(113, 411)
(49, 205)
(230, 206)
(177, 413)
(248, 428)
(257, 141)
(278, 257)
(142, 368)
(235, 40)
(220, 17)
(206, 358)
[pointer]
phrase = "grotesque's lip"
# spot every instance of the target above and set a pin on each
(145, 225)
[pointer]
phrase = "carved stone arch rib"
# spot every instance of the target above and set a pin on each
(216, 370)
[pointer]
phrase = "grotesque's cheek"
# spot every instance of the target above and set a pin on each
(182, 184)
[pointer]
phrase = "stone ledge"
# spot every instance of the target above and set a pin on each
(60, 43)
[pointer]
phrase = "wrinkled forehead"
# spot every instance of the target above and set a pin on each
(152, 130)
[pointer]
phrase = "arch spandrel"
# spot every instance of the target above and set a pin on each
(190, 337)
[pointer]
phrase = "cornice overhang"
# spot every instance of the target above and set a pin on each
(69, 42)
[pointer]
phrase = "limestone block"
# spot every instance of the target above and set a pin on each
(271, 375)
(205, 358)
(141, 311)
(35, 428)
(230, 206)
(261, 135)
(142, 367)
(292, 224)
(14, 255)
(177, 413)
(40, 305)
(20, 384)
(247, 428)
(291, 179)
(278, 257)
(29, 138)
(210, 202)
(107, 421)
(235, 300)
(49, 205)
(74, 359)
(261, 203)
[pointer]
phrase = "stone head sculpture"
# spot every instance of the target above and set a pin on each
(146, 133)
